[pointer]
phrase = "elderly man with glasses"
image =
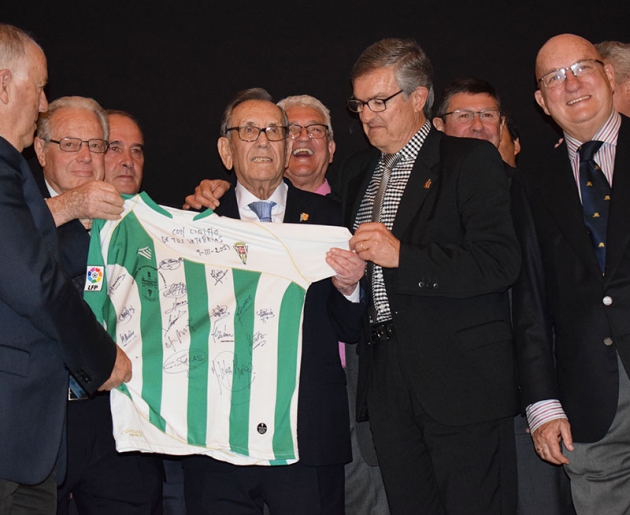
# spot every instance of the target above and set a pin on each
(431, 215)
(254, 142)
(572, 300)
(71, 146)
(312, 150)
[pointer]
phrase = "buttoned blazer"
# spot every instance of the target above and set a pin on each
(448, 296)
(46, 328)
(565, 309)
(323, 423)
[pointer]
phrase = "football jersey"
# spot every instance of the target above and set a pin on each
(209, 310)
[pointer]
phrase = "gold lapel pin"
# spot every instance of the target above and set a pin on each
(303, 217)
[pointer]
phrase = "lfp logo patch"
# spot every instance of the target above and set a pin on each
(94, 278)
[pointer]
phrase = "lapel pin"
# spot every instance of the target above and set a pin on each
(427, 184)
(303, 217)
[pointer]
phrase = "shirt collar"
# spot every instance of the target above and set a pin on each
(608, 134)
(244, 197)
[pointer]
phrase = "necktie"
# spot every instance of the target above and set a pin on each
(262, 210)
(595, 198)
(376, 275)
(389, 162)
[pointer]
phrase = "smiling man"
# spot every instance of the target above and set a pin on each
(572, 299)
(72, 148)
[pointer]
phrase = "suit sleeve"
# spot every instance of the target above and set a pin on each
(474, 202)
(34, 285)
(533, 335)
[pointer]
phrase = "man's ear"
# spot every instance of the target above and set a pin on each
(419, 98)
(40, 145)
(5, 79)
(517, 146)
(540, 99)
(332, 146)
(438, 123)
(225, 151)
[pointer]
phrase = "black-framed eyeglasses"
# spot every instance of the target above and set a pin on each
(96, 146)
(463, 116)
(556, 77)
(314, 130)
(250, 133)
(376, 105)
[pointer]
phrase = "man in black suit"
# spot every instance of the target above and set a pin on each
(312, 150)
(471, 108)
(436, 363)
(571, 301)
(38, 345)
(99, 479)
(315, 484)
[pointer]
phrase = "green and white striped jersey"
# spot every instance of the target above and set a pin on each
(209, 310)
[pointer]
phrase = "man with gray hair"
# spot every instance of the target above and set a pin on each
(37, 299)
(312, 151)
(617, 54)
(71, 146)
(436, 373)
(253, 142)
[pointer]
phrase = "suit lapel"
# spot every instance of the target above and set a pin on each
(619, 215)
(560, 193)
(357, 187)
(423, 178)
(295, 207)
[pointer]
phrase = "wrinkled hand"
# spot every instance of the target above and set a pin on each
(121, 373)
(548, 439)
(349, 268)
(207, 194)
(372, 241)
(94, 199)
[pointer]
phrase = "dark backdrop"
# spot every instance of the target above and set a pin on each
(175, 65)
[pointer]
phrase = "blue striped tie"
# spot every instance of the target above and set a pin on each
(262, 209)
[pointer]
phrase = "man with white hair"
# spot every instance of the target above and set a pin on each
(37, 300)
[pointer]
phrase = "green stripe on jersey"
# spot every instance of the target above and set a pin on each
(288, 335)
(143, 266)
(199, 324)
(245, 286)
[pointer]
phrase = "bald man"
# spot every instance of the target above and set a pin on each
(572, 299)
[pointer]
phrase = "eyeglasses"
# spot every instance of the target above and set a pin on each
(555, 78)
(250, 133)
(96, 146)
(376, 105)
(314, 130)
(463, 116)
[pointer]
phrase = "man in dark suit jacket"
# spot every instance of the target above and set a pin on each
(315, 484)
(99, 480)
(471, 108)
(436, 367)
(37, 299)
(571, 308)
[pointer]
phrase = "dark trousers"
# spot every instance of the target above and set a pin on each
(213, 487)
(100, 480)
(430, 468)
(20, 499)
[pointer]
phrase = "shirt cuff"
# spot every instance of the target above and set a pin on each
(355, 296)
(542, 412)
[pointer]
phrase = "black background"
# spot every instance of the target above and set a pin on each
(175, 65)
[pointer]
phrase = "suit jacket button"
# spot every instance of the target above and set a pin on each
(436, 286)
(607, 300)
(608, 341)
(421, 284)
